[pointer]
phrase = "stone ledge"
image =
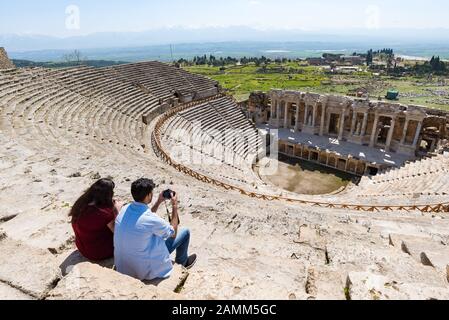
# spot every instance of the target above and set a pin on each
(175, 282)
(33, 271)
(70, 259)
(45, 230)
(88, 281)
(9, 293)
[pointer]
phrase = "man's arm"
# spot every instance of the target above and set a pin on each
(158, 203)
(175, 217)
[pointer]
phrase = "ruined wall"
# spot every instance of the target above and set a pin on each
(258, 107)
(5, 63)
(258, 100)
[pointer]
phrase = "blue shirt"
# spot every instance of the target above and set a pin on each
(139, 243)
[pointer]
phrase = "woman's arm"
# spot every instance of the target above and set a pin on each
(111, 225)
(118, 205)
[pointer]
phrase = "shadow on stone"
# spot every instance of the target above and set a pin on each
(174, 283)
(76, 258)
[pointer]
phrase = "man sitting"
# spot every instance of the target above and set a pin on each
(143, 241)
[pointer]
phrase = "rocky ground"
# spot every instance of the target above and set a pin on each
(248, 249)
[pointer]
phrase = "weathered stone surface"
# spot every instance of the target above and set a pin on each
(370, 286)
(330, 284)
(88, 281)
(9, 293)
(175, 282)
(70, 259)
(33, 271)
(311, 236)
(44, 230)
(246, 279)
(428, 252)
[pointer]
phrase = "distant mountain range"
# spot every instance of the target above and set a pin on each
(155, 44)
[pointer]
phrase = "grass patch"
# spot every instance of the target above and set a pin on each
(240, 81)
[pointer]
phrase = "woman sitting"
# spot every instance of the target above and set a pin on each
(93, 219)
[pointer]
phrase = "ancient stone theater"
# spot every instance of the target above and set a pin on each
(382, 235)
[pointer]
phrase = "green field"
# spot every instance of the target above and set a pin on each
(242, 80)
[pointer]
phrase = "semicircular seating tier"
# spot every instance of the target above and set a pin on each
(97, 108)
(94, 102)
(214, 138)
(420, 181)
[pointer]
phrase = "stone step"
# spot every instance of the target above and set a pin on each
(424, 250)
(9, 293)
(372, 286)
(32, 271)
(176, 281)
(71, 258)
(325, 283)
(49, 230)
(88, 281)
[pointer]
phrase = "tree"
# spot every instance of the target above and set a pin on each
(390, 59)
(74, 57)
(369, 57)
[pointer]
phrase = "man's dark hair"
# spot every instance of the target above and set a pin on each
(142, 188)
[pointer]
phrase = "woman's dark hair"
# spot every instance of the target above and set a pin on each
(101, 194)
(142, 188)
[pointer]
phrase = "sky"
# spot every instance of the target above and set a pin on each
(80, 17)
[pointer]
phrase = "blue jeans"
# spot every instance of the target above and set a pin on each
(181, 245)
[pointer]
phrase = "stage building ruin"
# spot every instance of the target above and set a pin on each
(354, 135)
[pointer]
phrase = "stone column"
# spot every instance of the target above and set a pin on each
(286, 116)
(404, 133)
(390, 134)
(354, 122)
(273, 107)
(306, 111)
(278, 114)
(374, 132)
(342, 126)
(417, 134)
(315, 110)
(328, 122)
(365, 124)
(323, 119)
(297, 118)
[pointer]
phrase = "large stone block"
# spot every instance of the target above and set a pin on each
(9, 293)
(371, 286)
(89, 281)
(70, 259)
(324, 283)
(33, 271)
(175, 282)
(44, 230)
(430, 253)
